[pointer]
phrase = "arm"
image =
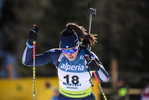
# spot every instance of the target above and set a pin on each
(41, 59)
(98, 67)
(102, 74)
(27, 58)
(50, 56)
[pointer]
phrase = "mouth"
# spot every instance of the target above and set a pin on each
(71, 57)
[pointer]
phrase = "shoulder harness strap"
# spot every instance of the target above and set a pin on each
(87, 59)
(60, 58)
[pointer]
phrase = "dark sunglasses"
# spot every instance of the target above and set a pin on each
(70, 51)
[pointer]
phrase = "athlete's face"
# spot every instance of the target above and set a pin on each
(71, 56)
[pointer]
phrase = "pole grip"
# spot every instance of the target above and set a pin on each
(34, 49)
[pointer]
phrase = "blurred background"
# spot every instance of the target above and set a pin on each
(123, 41)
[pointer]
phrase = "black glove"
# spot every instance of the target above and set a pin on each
(32, 36)
(93, 65)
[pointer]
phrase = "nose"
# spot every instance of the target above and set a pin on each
(69, 53)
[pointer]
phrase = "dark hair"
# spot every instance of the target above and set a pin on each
(67, 32)
(86, 40)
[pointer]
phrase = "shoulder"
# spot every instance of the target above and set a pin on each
(91, 54)
(55, 52)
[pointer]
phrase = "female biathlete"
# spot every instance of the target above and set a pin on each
(74, 62)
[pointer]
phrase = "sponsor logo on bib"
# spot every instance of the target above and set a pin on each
(68, 67)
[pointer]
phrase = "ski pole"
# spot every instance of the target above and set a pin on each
(92, 12)
(103, 94)
(34, 71)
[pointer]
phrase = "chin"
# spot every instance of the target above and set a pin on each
(71, 59)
